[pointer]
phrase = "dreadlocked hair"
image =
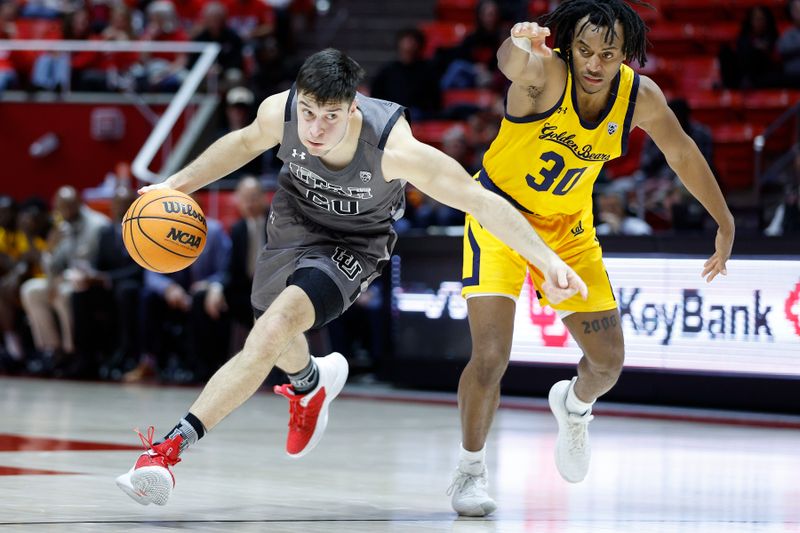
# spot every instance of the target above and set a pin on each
(602, 14)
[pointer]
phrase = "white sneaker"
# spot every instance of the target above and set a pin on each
(573, 452)
(151, 480)
(470, 494)
(308, 413)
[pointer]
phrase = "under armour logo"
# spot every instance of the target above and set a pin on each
(365, 176)
(612, 128)
(301, 155)
(577, 230)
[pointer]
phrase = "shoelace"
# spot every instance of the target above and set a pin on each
(147, 442)
(464, 482)
(297, 413)
(577, 431)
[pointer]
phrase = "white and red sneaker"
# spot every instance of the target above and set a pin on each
(308, 413)
(150, 480)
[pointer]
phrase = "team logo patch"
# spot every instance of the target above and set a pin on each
(347, 263)
(365, 176)
(612, 128)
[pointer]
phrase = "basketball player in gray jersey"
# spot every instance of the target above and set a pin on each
(346, 159)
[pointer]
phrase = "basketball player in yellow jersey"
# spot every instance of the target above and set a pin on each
(568, 111)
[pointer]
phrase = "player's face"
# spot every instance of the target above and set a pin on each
(595, 60)
(322, 128)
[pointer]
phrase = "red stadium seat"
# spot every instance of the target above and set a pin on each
(432, 131)
(630, 162)
(442, 35)
(765, 106)
(456, 10)
(678, 39)
(715, 108)
(733, 154)
(479, 97)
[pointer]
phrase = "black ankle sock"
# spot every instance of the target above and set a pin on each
(306, 380)
(189, 428)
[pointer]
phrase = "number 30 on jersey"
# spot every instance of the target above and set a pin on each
(549, 175)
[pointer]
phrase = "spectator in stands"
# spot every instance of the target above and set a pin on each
(163, 70)
(614, 219)
(653, 162)
(753, 62)
(239, 111)
(789, 47)
(247, 239)
(786, 218)
(181, 338)
(410, 79)
(106, 300)
(8, 30)
(74, 245)
(473, 63)
(455, 144)
(274, 71)
(23, 243)
(251, 19)
(214, 28)
(118, 65)
(53, 70)
(44, 9)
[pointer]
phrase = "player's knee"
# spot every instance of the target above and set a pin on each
(609, 362)
(323, 292)
(489, 366)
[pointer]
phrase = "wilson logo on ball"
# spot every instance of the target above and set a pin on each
(183, 209)
(184, 237)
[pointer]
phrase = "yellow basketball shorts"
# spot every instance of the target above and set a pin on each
(492, 268)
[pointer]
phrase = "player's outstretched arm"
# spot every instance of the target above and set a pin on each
(443, 179)
(654, 116)
(231, 151)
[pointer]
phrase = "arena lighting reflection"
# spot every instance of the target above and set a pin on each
(748, 322)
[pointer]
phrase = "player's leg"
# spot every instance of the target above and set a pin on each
(599, 336)
(492, 277)
(491, 324)
(595, 326)
(150, 480)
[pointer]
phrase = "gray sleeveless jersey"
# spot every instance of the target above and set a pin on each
(355, 199)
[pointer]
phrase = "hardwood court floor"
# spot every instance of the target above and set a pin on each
(384, 465)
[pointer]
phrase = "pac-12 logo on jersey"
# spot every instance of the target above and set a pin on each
(301, 155)
(612, 128)
(347, 263)
(365, 176)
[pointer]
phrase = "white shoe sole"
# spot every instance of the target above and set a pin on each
(482, 509)
(330, 394)
(147, 485)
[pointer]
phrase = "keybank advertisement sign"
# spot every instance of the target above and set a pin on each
(746, 322)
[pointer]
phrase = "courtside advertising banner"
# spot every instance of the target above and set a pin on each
(746, 322)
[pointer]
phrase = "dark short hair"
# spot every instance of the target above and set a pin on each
(603, 14)
(329, 76)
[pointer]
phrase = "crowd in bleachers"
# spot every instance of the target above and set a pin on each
(73, 303)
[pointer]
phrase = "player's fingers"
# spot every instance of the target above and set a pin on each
(562, 279)
(581, 287)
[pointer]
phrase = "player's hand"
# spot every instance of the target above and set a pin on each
(155, 186)
(723, 244)
(562, 283)
(535, 34)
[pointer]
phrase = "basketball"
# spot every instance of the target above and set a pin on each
(164, 230)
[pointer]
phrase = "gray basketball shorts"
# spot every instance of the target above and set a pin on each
(347, 259)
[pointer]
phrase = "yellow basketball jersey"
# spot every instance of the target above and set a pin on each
(547, 163)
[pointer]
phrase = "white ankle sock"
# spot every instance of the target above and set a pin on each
(472, 462)
(575, 404)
